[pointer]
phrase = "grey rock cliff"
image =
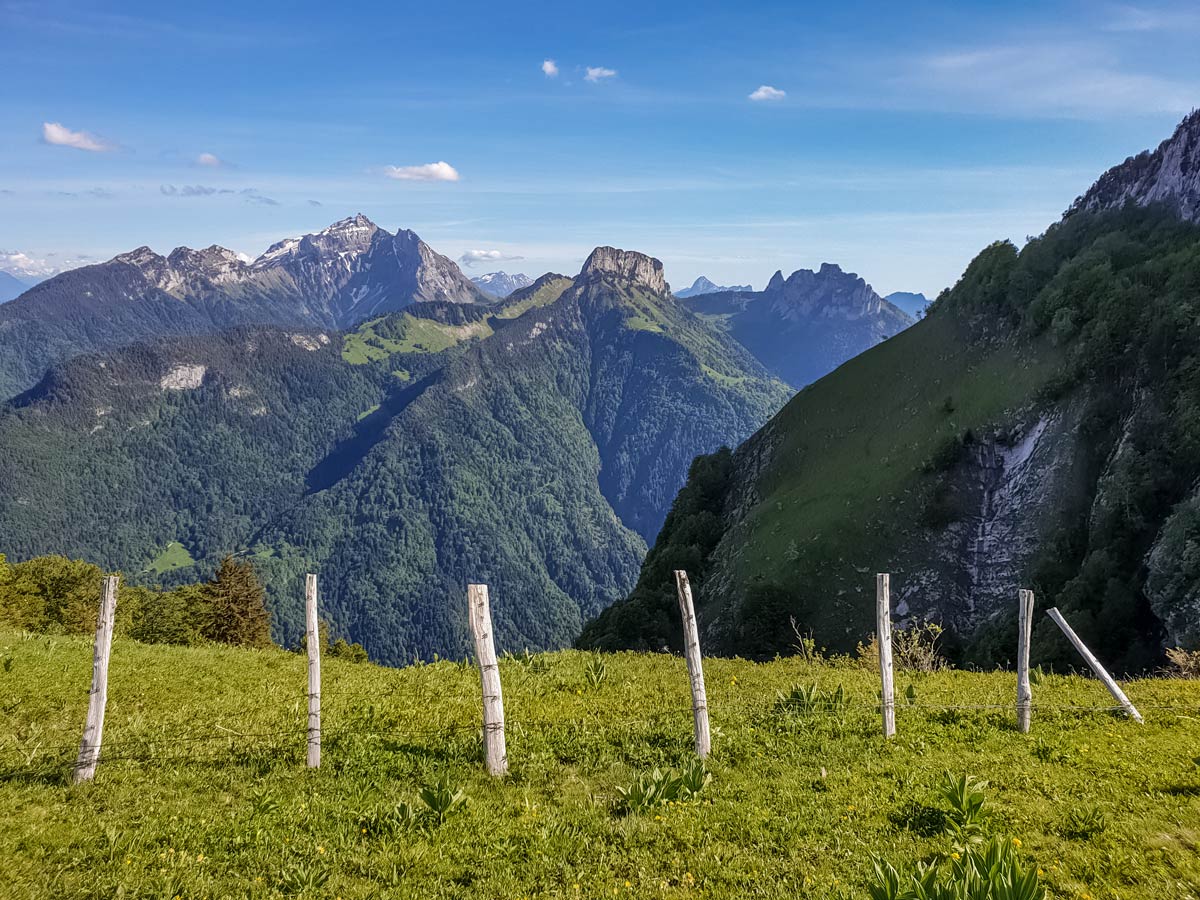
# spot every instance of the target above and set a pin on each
(638, 268)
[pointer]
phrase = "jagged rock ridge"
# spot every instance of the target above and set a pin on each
(1169, 175)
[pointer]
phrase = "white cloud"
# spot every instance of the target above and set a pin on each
(599, 73)
(471, 257)
(550, 67)
(209, 159)
(766, 92)
(61, 136)
(436, 171)
(34, 268)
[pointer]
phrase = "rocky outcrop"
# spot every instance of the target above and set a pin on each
(637, 269)
(1169, 175)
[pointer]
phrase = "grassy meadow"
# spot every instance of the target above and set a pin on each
(201, 791)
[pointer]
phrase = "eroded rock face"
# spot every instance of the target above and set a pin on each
(183, 377)
(1169, 175)
(642, 270)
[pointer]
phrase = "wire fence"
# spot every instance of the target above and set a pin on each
(161, 747)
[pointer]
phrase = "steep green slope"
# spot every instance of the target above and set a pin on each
(1047, 438)
(201, 790)
(536, 446)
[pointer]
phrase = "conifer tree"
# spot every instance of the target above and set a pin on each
(238, 613)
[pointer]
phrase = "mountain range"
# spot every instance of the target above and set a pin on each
(703, 286)
(335, 278)
(535, 444)
(1038, 428)
(501, 284)
(805, 325)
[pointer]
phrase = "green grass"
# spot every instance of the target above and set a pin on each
(202, 793)
(174, 556)
(543, 296)
(366, 412)
(366, 344)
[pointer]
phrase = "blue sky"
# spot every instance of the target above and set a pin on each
(897, 139)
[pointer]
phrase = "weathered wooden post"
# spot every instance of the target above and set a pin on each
(691, 651)
(313, 645)
(480, 616)
(1090, 659)
(883, 616)
(1024, 634)
(93, 730)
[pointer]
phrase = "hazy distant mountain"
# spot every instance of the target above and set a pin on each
(805, 326)
(338, 277)
(911, 303)
(11, 286)
(703, 286)
(501, 284)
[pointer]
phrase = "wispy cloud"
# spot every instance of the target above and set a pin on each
(472, 257)
(209, 160)
(596, 74)
(764, 92)
(60, 136)
(1145, 19)
(315, 203)
(1081, 80)
(96, 193)
(435, 171)
(550, 68)
(250, 195)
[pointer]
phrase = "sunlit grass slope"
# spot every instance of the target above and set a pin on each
(202, 792)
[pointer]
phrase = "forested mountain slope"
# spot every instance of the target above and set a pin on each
(535, 445)
(1049, 439)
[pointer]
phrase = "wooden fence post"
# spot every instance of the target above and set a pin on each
(1090, 659)
(480, 616)
(93, 731)
(691, 650)
(1024, 634)
(312, 643)
(883, 615)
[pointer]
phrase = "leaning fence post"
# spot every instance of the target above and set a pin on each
(480, 616)
(883, 615)
(93, 730)
(1090, 659)
(691, 650)
(1024, 633)
(312, 643)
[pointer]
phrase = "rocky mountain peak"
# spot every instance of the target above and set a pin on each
(628, 264)
(501, 284)
(141, 257)
(704, 285)
(1169, 175)
(776, 282)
